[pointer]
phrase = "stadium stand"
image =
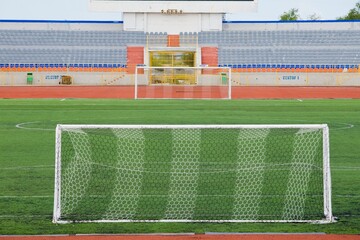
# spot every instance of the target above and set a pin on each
(290, 49)
(58, 48)
(243, 50)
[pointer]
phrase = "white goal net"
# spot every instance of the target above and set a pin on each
(182, 82)
(192, 173)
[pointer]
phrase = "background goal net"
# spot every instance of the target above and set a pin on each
(182, 82)
(192, 173)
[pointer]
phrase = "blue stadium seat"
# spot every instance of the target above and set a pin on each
(245, 48)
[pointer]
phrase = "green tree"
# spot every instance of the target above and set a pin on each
(354, 13)
(291, 15)
(314, 16)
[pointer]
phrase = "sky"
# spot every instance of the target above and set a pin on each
(78, 10)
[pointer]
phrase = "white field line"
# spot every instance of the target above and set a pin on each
(23, 126)
(27, 167)
(14, 196)
(346, 126)
(345, 168)
(51, 196)
(340, 168)
(23, 216)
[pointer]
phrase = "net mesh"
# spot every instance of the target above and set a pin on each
(194, 174)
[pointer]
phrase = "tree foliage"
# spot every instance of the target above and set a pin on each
(291, 15)
(354, 13)
(314, 17)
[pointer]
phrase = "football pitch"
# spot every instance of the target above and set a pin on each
(27, 153)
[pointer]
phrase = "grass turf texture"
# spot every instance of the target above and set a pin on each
(27, 155)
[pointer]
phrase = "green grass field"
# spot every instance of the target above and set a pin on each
(27, 140)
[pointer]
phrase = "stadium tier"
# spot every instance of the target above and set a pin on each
(45, 47)
(239, 49)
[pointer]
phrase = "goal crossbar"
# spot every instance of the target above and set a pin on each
(157, 126)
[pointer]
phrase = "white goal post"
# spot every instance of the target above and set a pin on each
(192, 173)
(201, 82)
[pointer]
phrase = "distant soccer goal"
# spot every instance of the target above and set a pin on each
(192, 173)
(182, 82)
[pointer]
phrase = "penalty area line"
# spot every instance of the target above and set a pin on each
(14, 196)
(27, 167)
(22, 126)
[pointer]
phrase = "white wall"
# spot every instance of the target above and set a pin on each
(61, 25)
(172, 23)
(300, 25)
(239, 79)
(185, 6)
(296, 79)
(177, 23)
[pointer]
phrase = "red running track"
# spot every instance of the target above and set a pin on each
(127, 92)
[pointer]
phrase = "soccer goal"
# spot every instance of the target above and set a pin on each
(182, 82)
(192, 173)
